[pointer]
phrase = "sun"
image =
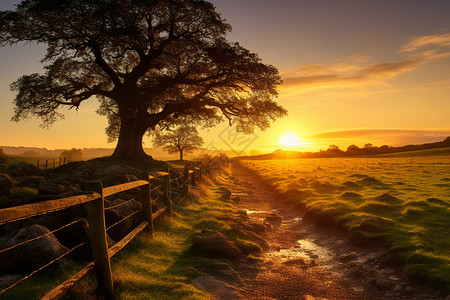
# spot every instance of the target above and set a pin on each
(290, 139)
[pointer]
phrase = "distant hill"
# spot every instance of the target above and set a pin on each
(353, 150)
(90, 153)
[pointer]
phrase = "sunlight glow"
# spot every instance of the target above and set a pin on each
(290, 139)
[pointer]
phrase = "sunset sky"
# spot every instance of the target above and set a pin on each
(354, 71)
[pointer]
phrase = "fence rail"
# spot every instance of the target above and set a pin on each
(94, 199)
(52, 163)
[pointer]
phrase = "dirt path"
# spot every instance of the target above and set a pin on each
(308, 262)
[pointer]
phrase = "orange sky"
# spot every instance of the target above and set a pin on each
(355, 71)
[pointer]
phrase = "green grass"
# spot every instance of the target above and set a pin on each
(411, 193)
(155, 268)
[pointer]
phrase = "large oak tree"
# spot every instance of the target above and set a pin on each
(149, 62)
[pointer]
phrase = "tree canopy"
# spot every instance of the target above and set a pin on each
(149, 63)
(182, 139)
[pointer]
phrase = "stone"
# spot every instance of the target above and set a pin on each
(397, 288)
(384, 284)
(344, 258)
(6, 185)
(22, 169)
(448, 297)
(361, 238)
(218, 289)
(74, 234)
(373, 225)
(32, 181)
(113, 170)
(226, 194)
(216, 245)
(236, 199)
(218, 265)
(409, 290)
(29, 255)
(49, 188)
(274, 219)
(8, 280)
(120, 212)
(189, 271)
(227, 275)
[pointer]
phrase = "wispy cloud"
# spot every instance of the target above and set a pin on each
(322, 75)
(420, 42)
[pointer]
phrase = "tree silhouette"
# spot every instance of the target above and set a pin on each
(182, 139)
(149, 63)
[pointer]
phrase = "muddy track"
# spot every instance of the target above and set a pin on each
(309, 262)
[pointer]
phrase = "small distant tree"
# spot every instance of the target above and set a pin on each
(182, 139)
(72, 154)
(3, 158)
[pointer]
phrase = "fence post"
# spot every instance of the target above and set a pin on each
(186, 180)
(166, 194)
(46, 164)
(146, 201)
(60, 161)
(64, 161)
(194, 174)
(97, 233)
(37, 164)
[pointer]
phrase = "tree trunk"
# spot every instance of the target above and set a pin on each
(129, 145)
(181, 154)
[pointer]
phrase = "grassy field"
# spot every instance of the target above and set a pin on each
(409, 191)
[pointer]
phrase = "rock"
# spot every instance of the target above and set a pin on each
(359, 237)
(226, 194)
(373, 225)
(218, 265)
(274, 219)
(6, 185)
(32, 181)
(113, 171)
(249, 248)
(347, 257)
(216, 245)
(50, 188)
(384, 284)
(29, 255)
(218, 289)
(409, 290)
(227, 275)
(74, 234)
(22, 169)
(397, 288)
(326, 218)
(7, 280)
(448, 297)
(120, 212)
(236, 199)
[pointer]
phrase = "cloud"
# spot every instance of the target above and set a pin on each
(323, 75)
(435, 40)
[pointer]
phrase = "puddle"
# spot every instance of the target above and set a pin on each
(304, 249)
(249, 211)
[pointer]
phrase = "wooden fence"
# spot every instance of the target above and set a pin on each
(94, 200)
(52, 163)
